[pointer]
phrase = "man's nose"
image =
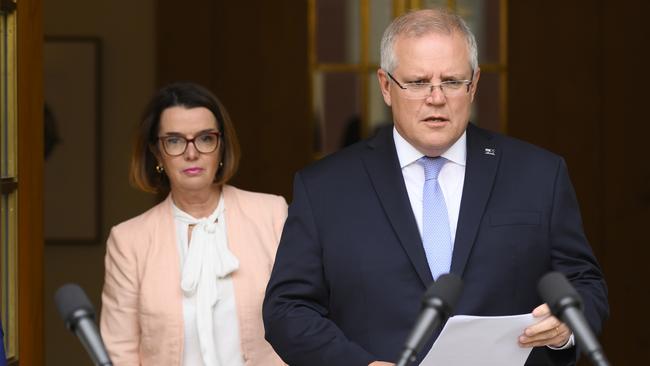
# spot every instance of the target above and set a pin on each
(436, 96)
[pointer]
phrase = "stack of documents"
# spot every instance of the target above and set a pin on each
(477, 340)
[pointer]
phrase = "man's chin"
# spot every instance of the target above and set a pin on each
(434, 147)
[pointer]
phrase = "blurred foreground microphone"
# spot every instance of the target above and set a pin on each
(78, 314)
(438, 303)
(566, 304)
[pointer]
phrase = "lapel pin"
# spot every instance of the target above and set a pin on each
(489, 151)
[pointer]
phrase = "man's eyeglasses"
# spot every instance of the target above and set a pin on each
(204, 143)
(418, 90)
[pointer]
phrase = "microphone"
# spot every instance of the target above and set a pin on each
(79, 317)
(438, 303)
(566, 304)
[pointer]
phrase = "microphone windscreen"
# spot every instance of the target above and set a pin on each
(447, 288)
(69, 299)
(554, 288)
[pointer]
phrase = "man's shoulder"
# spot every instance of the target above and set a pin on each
(343, 162)
(511, 147)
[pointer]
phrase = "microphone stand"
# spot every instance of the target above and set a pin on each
(408, 357)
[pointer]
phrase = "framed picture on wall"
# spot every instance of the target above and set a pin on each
(72, 144)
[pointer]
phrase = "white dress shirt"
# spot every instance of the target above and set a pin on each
(451, 178)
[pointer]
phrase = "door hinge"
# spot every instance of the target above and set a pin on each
(8, 185)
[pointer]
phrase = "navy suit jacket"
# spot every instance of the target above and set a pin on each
(351, 270)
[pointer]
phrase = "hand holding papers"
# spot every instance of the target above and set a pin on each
(474, 340)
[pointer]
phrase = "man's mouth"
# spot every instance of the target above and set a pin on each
(436, 119)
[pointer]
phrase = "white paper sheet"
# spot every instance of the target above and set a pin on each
(476, 340)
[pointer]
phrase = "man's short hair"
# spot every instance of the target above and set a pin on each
(421, 22)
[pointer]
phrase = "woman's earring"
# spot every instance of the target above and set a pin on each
(160, 169)
(221, 163)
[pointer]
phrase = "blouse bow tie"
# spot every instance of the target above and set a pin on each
(208, 259)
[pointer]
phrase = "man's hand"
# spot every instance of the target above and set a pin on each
(548, 331)
(381, 363)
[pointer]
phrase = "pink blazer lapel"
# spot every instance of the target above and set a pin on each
(247, 241)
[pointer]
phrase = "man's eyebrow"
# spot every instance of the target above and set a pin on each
(454, 76)
(451, 76)
(416, 77)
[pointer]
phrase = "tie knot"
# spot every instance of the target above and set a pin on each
(432, 166)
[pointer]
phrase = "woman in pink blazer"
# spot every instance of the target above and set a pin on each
(185, 280)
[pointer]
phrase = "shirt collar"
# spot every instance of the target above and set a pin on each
(407, 154)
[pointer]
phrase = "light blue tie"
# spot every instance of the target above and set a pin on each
(436, 235)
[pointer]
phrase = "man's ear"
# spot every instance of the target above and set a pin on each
(384, 85)
(477, 75)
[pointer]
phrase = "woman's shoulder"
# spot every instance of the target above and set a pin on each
(262, 211)
(147, 219)
(249, 198)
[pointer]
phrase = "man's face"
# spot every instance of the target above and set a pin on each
(436, 122)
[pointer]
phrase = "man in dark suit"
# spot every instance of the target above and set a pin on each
(372, 226)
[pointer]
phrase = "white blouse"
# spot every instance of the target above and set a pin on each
(209, 312)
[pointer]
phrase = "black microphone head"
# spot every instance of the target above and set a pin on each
(73, 304)
(558, 293)
(444, 293)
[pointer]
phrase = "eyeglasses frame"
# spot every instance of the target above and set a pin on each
(187, 142)
(468, 83)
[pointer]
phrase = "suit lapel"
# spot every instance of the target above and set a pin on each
(483, 156)
(382, 165)
(238, 240)
(232, 215)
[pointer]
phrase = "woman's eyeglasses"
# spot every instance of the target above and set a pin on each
(205, 143)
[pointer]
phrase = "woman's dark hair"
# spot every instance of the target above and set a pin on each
(143, 174)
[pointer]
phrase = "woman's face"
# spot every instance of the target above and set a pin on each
(192, 171)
